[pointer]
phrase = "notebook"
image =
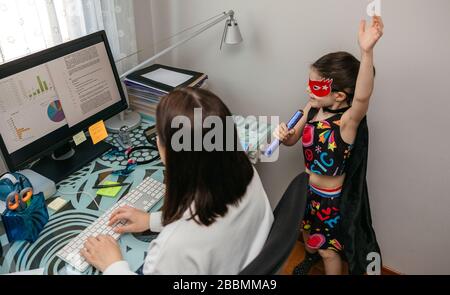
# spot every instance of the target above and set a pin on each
(164, 78)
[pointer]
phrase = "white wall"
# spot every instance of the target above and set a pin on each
(144, 28)
(409, 165)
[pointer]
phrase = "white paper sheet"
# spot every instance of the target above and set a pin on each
(168, 77)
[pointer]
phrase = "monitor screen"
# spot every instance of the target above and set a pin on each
(48, 97)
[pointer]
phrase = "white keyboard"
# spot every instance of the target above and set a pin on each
(143, 197)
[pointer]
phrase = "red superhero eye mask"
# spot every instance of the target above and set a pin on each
(321, 88)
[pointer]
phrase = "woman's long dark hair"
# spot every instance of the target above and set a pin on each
(205, 182)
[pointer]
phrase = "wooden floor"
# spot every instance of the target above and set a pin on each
(297, 256)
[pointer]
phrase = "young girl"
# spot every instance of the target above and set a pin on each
(334, 137)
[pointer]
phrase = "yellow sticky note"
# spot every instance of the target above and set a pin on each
(109, 192)
(79, 138)
(98, 132)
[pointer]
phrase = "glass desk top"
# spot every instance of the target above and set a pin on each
(80, 211)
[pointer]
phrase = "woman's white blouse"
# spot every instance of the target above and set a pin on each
(225, 247)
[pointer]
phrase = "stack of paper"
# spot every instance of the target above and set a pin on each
(146, 87)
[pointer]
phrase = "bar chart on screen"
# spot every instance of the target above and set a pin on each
(41, 87)
(36, 84)
(21, 133)
(30, 94)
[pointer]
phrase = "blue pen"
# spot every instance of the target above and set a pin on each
(291, 124)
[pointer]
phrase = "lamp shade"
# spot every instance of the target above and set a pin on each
(233, 34)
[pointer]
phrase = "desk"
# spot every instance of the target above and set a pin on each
(81, 211)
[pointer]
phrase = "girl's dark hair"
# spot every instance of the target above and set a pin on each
(205, 182)
(343, 68)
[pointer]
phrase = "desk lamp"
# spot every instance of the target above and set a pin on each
(231, 36)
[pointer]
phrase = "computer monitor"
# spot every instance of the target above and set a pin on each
(50, 96)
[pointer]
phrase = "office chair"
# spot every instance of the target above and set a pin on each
(284, 232)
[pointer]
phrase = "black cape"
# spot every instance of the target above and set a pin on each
(358, 235)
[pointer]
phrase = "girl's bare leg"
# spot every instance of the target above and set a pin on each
(332, 261)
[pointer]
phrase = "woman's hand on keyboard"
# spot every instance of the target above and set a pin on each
(134, 220)
(101, 252)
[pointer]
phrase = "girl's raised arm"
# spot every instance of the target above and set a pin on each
(368, 37)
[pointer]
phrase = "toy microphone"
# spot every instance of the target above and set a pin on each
(291, 124)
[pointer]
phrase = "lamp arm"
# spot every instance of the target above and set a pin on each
(195, 34)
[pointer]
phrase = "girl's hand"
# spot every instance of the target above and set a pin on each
(282, 133)
(101, 252)
(137, 221)
(368, 37)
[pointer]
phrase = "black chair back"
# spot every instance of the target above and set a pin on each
(284, 232)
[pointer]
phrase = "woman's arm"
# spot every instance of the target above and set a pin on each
(368, 37)
(104, 253)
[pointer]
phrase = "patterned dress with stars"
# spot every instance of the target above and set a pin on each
(325, 153)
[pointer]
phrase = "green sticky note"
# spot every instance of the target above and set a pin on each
(109, 192)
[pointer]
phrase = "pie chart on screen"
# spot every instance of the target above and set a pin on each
(55, 112)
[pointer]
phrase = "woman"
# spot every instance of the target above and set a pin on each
(216, 216)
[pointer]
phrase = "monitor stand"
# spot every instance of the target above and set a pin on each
(65, 161)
